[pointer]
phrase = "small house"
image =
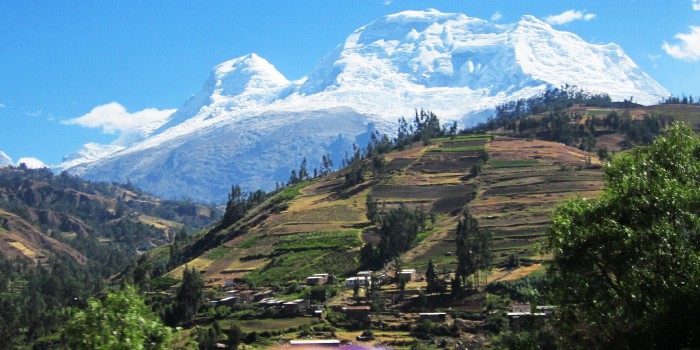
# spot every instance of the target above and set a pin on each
(262, 295)
(228, 301)
(314, 343)
(525, 320)
(359, 281)
(246, 296)
(408, 274)
(295, 307)
(548, 310)
(520, 308)
(433, 316)
(315, 280)
(359, 313)
(270, 302)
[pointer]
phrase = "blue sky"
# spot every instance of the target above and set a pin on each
(61, 59)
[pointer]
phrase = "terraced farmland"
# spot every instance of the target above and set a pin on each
(321, 225)
(520, 185)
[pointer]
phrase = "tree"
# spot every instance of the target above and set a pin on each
(355, 173)
(398, 229)
(356, 291)
(372, 208)
(326, 164)
(466, 262)
(235, 334)
(484, 253)
(378, 163)
(235, 207)
(120, 321)
(189, 296)
(303, 173)
(400, 280)
(180, 235)
(293, 178)
(368, 256)
(453, 130)
(473, 250)
(627, 265)
(431, 277)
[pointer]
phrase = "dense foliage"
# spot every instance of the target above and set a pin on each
(101, 221)
(189, 297)
(473, 249)
(682, 100)
(31, 298)
(239, 203)
(398, 229)
(120, 321)
(547, 116)
(626, 266)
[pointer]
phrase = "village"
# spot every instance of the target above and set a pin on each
(368, 310)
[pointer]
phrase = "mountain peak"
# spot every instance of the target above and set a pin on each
(418, 16)
(530, 20)
(250, 125)
(246, 74)
(5, 160)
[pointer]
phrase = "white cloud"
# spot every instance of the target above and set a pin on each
(653, 58)
(388, 2)
(34, 114)
(31, 163)
(696, 5)
(2, 105)
(570, 16)
(496, 16)
(688, 49)
(113, 117)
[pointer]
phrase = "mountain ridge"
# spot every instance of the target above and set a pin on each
(457, 66)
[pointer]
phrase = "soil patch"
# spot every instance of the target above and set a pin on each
(422, 192)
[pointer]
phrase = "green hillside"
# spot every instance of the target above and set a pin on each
(508, 175)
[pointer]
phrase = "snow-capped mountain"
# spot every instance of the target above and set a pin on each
(250, 126)
(5, 160)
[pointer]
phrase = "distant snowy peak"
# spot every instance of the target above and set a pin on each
(90, 152)
(250, 126)
(428, 49)
(564, 58)
(5, 160)
(247, 75)
(32, 163)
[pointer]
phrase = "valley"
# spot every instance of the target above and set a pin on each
(433, 181)
(256, 271)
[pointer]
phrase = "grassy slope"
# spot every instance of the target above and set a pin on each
(33, 207)
(320, 226)
(513, 196)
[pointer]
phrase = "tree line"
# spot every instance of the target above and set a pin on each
(546, 117)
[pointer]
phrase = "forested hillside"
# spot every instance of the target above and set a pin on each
(61, 238)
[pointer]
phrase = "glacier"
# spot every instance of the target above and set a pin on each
(249, 125)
